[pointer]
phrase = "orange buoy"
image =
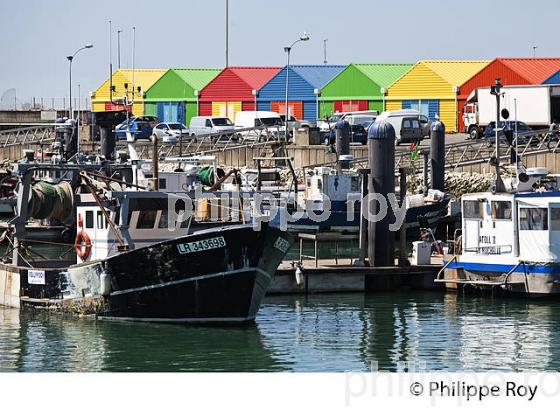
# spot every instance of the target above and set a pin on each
(82, 245)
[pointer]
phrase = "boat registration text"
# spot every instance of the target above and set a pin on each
(202, 245)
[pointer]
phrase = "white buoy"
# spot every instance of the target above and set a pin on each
(299, 276)
(104, 284)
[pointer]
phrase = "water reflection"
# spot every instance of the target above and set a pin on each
(427, 330)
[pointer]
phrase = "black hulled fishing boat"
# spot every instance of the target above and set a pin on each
(136, 259)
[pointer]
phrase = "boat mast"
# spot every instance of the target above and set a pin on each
(495, 90)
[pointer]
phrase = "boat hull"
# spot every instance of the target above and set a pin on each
(340, 220)
(233, 296)
(528, 279)
(214, 275)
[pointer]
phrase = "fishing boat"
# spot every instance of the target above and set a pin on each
(510, 240)
(342, 191)
(135, 260)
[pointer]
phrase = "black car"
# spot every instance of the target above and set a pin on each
(358, 133)
(519, 129)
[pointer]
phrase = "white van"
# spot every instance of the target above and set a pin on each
(409, 125)
(209, 125)
(252, 119)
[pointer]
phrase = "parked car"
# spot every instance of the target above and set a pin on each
(329, 123)
(204, 125)
(407, 124)
(140, 127)
(271, 121)
(490, 131)
(294, 124)
(170, 132)
(358, 134)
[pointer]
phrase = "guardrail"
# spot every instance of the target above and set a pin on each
(471, 152)
(28, 135)
(212, 143)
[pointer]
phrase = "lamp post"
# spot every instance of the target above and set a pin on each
(455, 90)
(70, 59)
(383, 93)
(119, 48)
(255, 94)
(495, 90)
(317, 93)
(304, 37)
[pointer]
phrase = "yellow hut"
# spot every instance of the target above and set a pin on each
(128, 83)
(432, 87)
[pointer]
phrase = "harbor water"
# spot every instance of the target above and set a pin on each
(338, 332)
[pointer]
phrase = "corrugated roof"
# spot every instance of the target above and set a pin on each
(455, 72)
(197, 78)
(553, 79)
(535, 70)
(255, 77)
(383, 74)
(317, 75)
(143, 77)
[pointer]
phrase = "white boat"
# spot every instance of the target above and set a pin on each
(510, 240)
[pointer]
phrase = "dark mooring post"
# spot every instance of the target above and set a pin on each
(155, 163)
(403, 257)
(437, 155)
(425, 179)
(342, 146)
(70, 139)
(363, 222)
(107, 137)
(381, 161)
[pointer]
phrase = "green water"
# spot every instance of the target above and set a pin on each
(427, 330)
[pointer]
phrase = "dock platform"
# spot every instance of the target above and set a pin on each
(332, 277)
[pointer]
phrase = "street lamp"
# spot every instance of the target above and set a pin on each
(304, 37)
(70, 59)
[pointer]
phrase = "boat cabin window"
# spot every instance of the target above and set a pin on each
(319, 184)
(146, 219)
(472, 209)
(355, 184)
(89, 219)
(501, 210)
(533, 219)
(555, 219)
(162, 184)
(163, 220)
(100, 220)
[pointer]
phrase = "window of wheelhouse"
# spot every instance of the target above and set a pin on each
(472, 209)
(163, 219)
(501, 210)
(100, 220)
(89, 219)
(146, 219)
(533, 219)
(555, 219)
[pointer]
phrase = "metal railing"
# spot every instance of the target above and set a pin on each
(262, 138)
(471, 152)
(39, 134)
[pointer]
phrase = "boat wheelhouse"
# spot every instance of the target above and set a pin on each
(510, 240)
(344, 189)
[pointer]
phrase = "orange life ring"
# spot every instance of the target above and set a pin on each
(82, 245)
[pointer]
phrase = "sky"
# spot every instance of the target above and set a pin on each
(36, 36)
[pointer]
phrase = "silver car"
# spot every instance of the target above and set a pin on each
(170, 132)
